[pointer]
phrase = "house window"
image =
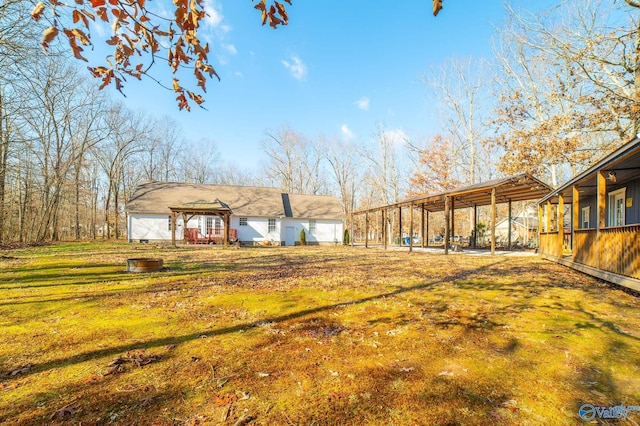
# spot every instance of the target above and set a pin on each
(312, 226)
(218, 226)
(586, 212)
(617, 207)
(169, 224)
(272, 225)
(243, 221)
(209, 224)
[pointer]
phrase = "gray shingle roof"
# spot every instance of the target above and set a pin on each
(156, 197)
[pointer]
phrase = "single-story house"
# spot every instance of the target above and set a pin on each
(603, 236)
(170, 211)
(523, 228)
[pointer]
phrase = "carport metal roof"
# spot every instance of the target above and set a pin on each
(521, 187)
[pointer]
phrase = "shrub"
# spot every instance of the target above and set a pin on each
(346, 237)
(303, 238)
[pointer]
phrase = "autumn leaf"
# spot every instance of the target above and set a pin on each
(182, 102)
(64, 411)
(48, 35)
(176, 86)
(97, 3)
(282, 12)
(36, 13)
(222, 400)
(262, 6)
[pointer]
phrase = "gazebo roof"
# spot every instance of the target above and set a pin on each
(521, 187)
(202, 207)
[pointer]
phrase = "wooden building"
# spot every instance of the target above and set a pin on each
(506, 190)
(601, 235)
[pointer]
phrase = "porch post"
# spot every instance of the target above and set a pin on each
(447, 222)
(426, 232)
(184, 228)
(227, 224)
(602, 214)
(576, 220)
(548, 215)
(560, 224)
(173, 228)
(540, 222)
(493, 221)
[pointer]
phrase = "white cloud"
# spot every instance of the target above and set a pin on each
(230, 48)
(214, 14)
(346, 131)
(363, 103)
(296, 67)
(396, 136)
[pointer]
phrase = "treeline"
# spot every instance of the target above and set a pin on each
(562, 89)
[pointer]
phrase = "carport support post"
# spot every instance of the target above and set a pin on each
(453, 215)
(509, 228)
(493, 221)
(422, 225)
(400, 225)
(410, 227)
(426, 232)
(601, 185)
(366, 230)
(384, 229)
(447, 222)
(475, 225)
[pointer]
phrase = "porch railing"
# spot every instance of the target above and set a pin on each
(617, 250)
(551, 244)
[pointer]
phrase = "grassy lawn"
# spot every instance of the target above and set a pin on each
(301, 336)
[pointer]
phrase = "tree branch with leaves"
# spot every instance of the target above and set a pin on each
(140, 37)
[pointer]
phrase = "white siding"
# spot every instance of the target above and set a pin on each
(257, 229)
(154, 227)
(327, 231)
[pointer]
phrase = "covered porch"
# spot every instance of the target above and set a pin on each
(592, 223)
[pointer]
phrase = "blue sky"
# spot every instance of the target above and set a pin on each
(339, 69)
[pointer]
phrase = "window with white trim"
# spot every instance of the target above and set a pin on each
(617, 207)
(312, 226)
(243, 221)
(272, 225)
(209, 224)
(586, 213)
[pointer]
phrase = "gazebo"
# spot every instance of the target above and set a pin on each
(521, 187)
(200, 208)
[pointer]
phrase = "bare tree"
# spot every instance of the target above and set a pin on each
(461, 87)
(343, 160)
(571, 91)
(294, 163)
(126, 130)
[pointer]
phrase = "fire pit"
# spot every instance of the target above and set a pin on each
(144, 265)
